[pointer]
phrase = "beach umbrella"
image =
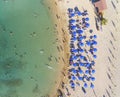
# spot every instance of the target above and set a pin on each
(90, 30)
(92, 62)
(73, 27)
(84, 37)
(73, 77)
(80, 71)
(94, 42)
(95, 56)
(74, 38)
(74, 71)
(79, 13)
(86, 71)
(85, 13)
(92, 78)
(93, 71)
(91, 85)
(72, 85)
(81, 44)
(85, 85)
(70, 10)
(88, 43)
(81, 38)
(81, 57)
(87, 25)
(75, 57)
(80, 31)
(87, 19)
(81, 64)
(91, 37)
(76, 8)
(91, 50)
(74, 50)
(72, 21)
(75, 64)
(95, 49)
(80, 78)
(71, 15)
(74, 33)
(81, 50)
(95, 36)
(88, 64)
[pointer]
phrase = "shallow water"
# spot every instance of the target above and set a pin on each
(26, 42)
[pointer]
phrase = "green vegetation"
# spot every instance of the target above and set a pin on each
(104, 21)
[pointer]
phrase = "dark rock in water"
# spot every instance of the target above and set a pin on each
(13, 82)
(3, 43)
(11, 63)
(11, 93)
(36, 89)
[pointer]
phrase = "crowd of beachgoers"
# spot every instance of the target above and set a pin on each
(82, 50)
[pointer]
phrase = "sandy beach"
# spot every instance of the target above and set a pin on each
(107, 63)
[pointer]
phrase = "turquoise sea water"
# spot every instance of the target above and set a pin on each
(26, 44)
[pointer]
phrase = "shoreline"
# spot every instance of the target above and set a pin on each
(62, 45)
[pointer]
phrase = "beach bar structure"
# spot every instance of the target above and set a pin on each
(100, 5)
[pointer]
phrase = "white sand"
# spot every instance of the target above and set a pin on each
(103, 66)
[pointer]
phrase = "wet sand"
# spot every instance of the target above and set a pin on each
(62, 40)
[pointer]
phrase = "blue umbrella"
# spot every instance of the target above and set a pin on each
(80, 71)
(73, 77)
(75, 57)
(88, 43)
(81, 64)
(73, 27)
(95, 36)
(72, 21)
(80, 78)
(91, 37)
(92, 78)
(74, 50)
(94, 42)
(87, 71)
(82, 57)
(74, 33)
(91, 86)
(80, 31)
(72, 85)
(93, 71)
(76, 9)
(85, 85)
(72, 15)
(74, 71)
(87, 19)
(74, 64)
(95, 49)
(79, 13)
(70, 10)
(74, 38)
(81, 44)
(91, 50)
(90, 30)
(84, 37)
(95, 56)
(81, 50)
(92, 62)
(87, 25)
(88, 65)
(81, 38)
